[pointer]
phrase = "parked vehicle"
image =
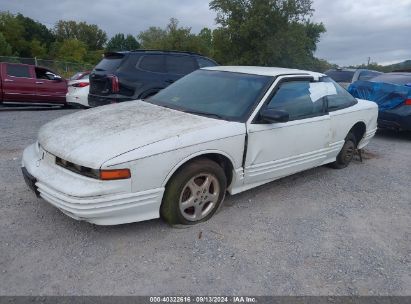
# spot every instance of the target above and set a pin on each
(176, 154)
(80, 75)
(123, 76)
(392, 93)
(77, 95)
(31, 85)
(344, 77)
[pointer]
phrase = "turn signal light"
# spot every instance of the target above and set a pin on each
(408, 102)
(115, 174)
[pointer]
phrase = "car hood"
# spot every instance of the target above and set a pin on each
(91, 137)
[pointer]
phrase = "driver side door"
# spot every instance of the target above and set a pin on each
(276, 150)
(50, 89)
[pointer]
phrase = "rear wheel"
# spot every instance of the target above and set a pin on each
(347, 152)
(194, 193)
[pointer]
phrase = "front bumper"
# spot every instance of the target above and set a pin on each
(83, 198)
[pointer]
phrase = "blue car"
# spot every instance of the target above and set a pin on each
(392, 93)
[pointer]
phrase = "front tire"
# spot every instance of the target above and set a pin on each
(194, 193)
(347, 153)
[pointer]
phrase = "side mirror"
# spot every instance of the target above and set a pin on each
(272, 116)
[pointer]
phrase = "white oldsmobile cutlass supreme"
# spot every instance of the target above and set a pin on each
(176, 154)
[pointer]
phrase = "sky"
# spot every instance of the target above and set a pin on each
(356, 29)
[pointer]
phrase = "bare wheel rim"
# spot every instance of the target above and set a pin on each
(199, 197)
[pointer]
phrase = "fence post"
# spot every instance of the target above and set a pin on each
(35, 61)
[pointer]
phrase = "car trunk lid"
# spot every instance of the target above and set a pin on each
(103, 80)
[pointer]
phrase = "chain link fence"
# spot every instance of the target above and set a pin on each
(63, 68)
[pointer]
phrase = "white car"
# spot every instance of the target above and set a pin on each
(175, 155)
(77, 92)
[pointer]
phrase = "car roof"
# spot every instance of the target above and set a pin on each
(351, 70)
(263, 71)
(399, 73)
(155, 52)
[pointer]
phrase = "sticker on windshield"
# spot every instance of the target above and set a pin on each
(320, 89)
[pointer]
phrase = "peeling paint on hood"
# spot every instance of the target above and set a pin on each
(91, 137)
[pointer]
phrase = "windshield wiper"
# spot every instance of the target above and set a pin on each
(204, 114)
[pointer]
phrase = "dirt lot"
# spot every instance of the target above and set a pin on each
(321, 232)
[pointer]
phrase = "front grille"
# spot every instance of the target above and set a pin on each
(92, 173)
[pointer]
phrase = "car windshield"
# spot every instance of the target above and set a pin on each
(340, 76)
(394, 78)
(76, 76)
(219, 94)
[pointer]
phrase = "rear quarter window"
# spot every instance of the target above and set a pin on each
(152, 63)
(18, 70)
(341, 100)
(181, 65)
(204, 62)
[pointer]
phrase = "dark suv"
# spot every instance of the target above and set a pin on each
(123, 76)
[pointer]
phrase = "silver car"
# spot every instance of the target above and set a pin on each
(344, 77)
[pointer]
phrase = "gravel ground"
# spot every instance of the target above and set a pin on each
(320, 232)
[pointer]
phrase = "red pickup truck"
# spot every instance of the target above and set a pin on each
(31, 85)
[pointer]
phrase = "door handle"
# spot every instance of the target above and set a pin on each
(39, 82)
(169, 81)
(8, 80)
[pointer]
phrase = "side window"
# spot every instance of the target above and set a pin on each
(366, 75)
(298, 99)
(181, 65)
(44, 74)
(153, 63)
(203, 62)
(341, 100)
(18, 70)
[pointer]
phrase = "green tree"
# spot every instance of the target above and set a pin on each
(121, 43)
(71, 50)
(94, 57)
(5, 48)
(37, 49)
(90, 34)
(174, 37)
(152, 38)
(35, 31)
(205, 38)
(25, 35)
(13, 32)
(265, 32)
